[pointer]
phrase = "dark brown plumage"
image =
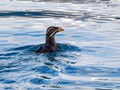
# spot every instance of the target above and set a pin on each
(50, 44)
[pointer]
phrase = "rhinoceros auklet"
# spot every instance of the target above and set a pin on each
(50, 44)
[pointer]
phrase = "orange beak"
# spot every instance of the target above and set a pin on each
(60, 29)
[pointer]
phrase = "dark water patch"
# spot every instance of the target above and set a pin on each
(102, 89)
(1, 54)
(118, 18)
(11, 67)
(45, 77)
(5, 57)
(9, 81)
(48, 64)
(51, 57)
(9, 88)
(65, 82)
(52, 65)
(6, 66)
(78, 15)
(76, 36)
(37, 81)
(9, 70)
(6, 81)
(36, 14)
(46, 70)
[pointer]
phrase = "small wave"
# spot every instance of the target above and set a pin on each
(61, 48)
(26, 53)
(43, 13)
(67, 47)
(76, 15)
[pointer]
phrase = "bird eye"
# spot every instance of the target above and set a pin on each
(49, 29)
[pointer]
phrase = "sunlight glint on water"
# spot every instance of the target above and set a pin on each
(89, 48)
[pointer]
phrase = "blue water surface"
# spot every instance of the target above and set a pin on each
(88, 56)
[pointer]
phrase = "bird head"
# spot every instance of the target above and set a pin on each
(51, 31)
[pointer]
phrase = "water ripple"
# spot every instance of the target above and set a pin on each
(88, 49)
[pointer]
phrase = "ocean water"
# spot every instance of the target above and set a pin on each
(89, 48)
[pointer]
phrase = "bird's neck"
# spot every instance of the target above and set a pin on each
(50, 42)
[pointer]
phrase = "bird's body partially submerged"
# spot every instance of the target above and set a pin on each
(50, 44)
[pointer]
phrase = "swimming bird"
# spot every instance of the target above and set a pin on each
(50, 44)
